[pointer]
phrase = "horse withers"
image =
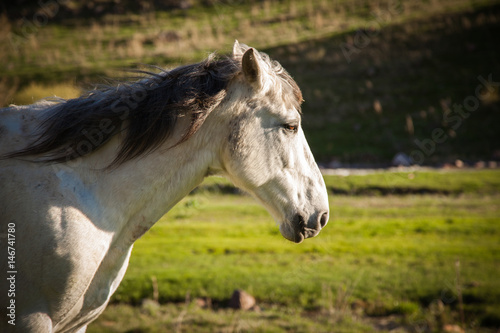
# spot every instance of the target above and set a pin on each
(83, 179)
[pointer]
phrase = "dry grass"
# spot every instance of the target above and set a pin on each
(35, 92)
(423, 58)
(159, 37)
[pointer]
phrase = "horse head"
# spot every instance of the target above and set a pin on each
(267, 153)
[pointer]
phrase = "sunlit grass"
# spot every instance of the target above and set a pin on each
(116, 41)
(36, 91)
(438, 182)
(388, 254)
(212, 250)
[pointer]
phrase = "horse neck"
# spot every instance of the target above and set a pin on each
(139, 192)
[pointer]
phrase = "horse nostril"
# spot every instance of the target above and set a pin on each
(301, 223)
(323, 220)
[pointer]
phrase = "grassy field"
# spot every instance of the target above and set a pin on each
(404, 251)
(376, 75)
(413, 263)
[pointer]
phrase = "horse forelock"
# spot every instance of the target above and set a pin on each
(292, 90)
(283, 86)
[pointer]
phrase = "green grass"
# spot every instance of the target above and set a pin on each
(386, 183)
(391, 249)
(418, 182)
(382, 255)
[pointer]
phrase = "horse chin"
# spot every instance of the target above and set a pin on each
(289, 233)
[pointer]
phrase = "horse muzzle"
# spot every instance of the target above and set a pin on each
(297, 229)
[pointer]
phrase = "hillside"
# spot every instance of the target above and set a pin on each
(379, 78)
(401, 85)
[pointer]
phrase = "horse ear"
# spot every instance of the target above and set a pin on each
(250, 67)
(237, 50)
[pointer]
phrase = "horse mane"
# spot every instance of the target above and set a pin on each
(146, 110)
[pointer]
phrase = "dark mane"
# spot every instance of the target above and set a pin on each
(146, 110)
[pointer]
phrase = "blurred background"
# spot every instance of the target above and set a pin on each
(385, 82)
(376, 75)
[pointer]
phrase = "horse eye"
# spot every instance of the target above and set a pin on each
(291, 128)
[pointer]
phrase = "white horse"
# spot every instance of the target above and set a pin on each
(81, 180)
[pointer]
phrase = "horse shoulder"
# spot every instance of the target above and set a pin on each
(59, 238)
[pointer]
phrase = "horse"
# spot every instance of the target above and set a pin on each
(82, 179)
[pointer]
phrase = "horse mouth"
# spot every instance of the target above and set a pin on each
(294, 235)
(297, 237)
